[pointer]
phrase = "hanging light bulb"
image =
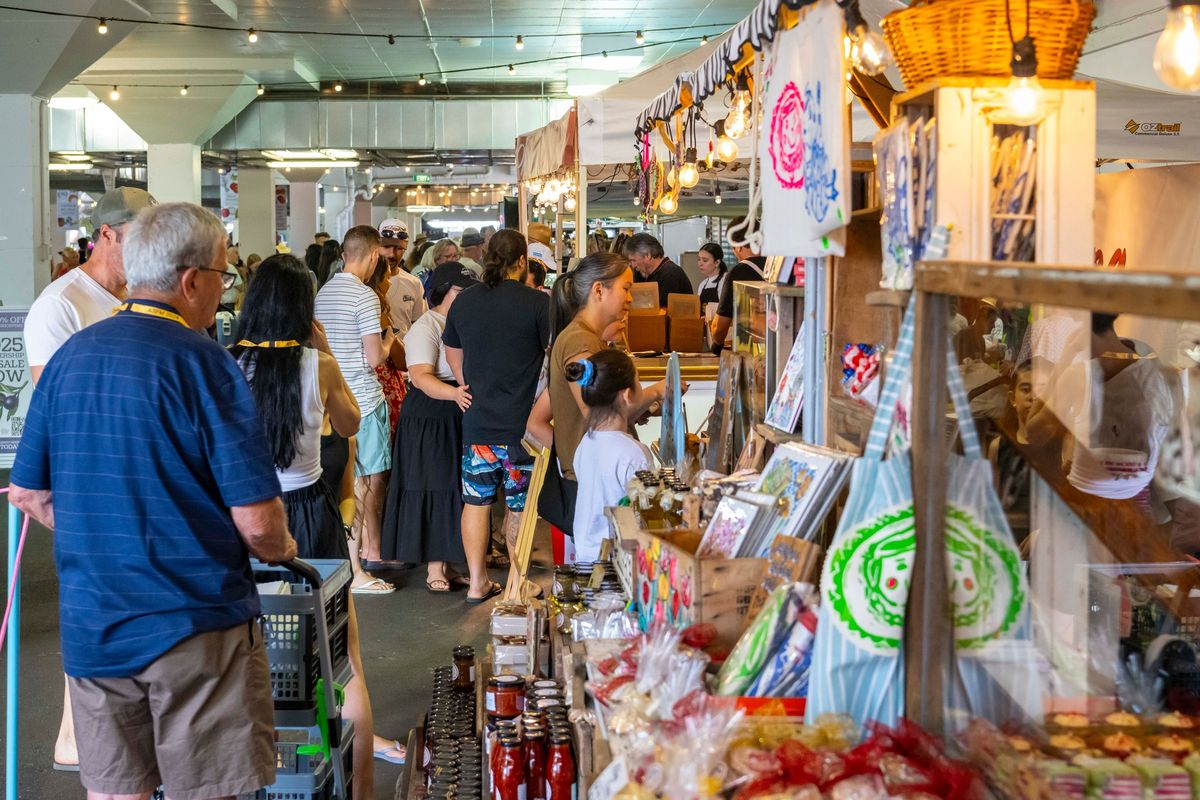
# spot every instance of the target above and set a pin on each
(1024, 101)
(183, 90)
(535, 187)
(520, 45)
(672, 178)
(102, 26)
(867, 50)
(512, 70)
(1177, 54)
(727, 149)
(640, 38)
(252, 36)
(115, 94)
(421, 79)
(337, 86)
(689, 173)
(391, 39)
(637, 201)
(717, 195)
(737, 123)
(704, 39)
(570, 204)
(260, 90)
(669, 204)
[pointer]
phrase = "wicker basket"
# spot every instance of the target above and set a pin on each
(942, 38)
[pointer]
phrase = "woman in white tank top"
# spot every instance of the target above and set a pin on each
(296, 387)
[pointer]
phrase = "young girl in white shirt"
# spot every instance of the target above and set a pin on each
(608, 456)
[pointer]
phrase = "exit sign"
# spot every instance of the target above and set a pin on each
(420, 178)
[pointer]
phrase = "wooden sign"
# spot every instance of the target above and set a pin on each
(789, 560)
(522, 549)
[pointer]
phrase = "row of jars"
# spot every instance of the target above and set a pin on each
(453, 754)
(531, 754)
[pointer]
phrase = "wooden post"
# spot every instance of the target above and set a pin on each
(928, 633)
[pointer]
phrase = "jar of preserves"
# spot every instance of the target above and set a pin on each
(505, 696)
(464, 668)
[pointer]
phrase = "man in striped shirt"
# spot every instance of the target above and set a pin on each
(360, 342)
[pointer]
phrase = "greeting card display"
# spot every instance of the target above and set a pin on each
(806, 480)
(804, 147)
(728, 528)
(784, 411)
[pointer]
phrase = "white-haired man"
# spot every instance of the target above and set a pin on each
(145, 453)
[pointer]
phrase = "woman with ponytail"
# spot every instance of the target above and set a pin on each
(300, 393)
(607, 456)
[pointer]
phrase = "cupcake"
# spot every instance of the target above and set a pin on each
(1175, 721)
(1120, 745)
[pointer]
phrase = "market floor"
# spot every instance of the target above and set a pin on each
(404, 635)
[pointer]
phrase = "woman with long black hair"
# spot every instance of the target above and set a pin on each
(711, 263)
(329, 262)
(298, 388)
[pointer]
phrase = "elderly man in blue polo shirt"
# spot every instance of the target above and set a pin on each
(144, 452)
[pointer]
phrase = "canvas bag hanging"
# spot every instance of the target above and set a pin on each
(858, 665)
(803, 144)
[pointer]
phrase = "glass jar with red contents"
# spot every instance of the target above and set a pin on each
(505, 696)
(535, 762)
(464, 668)
(508, 782)
(560, 769)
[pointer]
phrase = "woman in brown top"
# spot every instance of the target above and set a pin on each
(585, 302)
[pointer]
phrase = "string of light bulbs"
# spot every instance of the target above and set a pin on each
(253, 34)
(420, 78)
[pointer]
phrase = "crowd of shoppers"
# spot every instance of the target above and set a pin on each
(373, 409)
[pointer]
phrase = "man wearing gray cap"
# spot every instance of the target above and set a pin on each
(83, 296)
(472, 250)
(91, 292)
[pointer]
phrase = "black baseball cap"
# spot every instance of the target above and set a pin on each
(452, 273)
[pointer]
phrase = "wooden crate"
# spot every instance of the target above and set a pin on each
(671, 584)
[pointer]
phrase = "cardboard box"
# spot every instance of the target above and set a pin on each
(671, 584)
(646, 330)
(645, 297)
(687, 334)
(683, 305)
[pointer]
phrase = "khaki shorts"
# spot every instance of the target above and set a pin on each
(199, 721)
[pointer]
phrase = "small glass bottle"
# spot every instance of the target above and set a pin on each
(560, 769)
(464, 668)
(535, 762)
(509, 782)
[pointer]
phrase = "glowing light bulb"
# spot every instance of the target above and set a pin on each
(570, 204)
(520, 45)
(102, 26)
(868, 51)
(669, 204)
(251, 36)
(183, 90)
(512, 70)
(727, 149)
(1177, 54)
(421, 79)
(717, 196)
(260, 90)
(337, 87)
(1024, 101)
(637, 201)
(115, 94)
(672, 178)
(640, 38)
(689, 173)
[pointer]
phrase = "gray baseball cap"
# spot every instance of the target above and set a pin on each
(120, 206)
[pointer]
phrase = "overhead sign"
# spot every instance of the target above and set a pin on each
(422, 178)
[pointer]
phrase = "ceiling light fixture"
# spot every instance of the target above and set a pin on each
(115, 94)
(421, 79)
(669, 204)
(520, 45)
(391, 39)
(337, 86)
(251, 36)
(869, 53)
(220, 170)
(77, 166)
(312, 164)
(183, 90)
(512, 70)
(704, 39)
(1177, 54)
(717, 195)
(102, 26)
(640, 38)
(260, 90)
(727, 149)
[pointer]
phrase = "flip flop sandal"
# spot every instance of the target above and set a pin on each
(438, 582)
(494, 590)
(373, 586)
(498, 561)
(383, 755)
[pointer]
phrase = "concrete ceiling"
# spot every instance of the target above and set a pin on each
(441, 28)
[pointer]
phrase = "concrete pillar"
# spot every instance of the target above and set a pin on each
(362, 212)
(256, 211)
(335, 202)
(174, 172)
(24, 248)
(303, 219)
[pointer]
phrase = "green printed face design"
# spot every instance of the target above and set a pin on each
(869, 574)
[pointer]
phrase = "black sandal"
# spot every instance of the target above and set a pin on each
(491, 592)
(435, 582)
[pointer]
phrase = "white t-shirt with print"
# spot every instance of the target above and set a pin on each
(604, 463)
(65, 307)
(423, 344)
(349, 311)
